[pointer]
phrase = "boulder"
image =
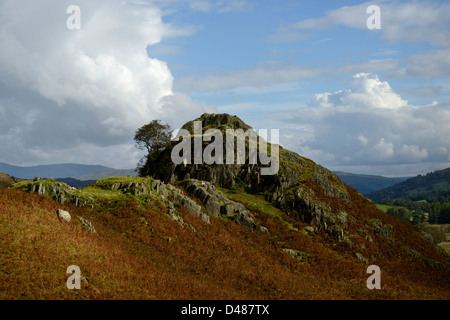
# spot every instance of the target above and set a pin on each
(63, 215)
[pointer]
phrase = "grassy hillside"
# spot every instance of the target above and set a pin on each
(433, 185)
(140, 253)
(5, 180)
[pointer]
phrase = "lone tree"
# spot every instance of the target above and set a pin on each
(153, 137)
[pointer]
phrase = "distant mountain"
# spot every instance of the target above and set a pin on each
(434, 184)
(368, 183)
(51, 171)
(75, 182)
(108, 173)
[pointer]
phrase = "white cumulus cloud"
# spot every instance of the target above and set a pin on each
(80, 94)
(384, 149)
(364, 91)
(369, 125)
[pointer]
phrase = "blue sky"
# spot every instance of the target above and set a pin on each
(349, 98)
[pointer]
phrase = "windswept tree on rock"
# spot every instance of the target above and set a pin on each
(153, 137)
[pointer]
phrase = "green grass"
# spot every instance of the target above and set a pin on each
(99, 191)
(26, 185)
(256, 202)
(96, 194)
(383, 207)
(107, 182)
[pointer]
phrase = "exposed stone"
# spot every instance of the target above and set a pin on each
(64, 215)
(38, 188)
(337, 232)
(238, 213)
(173, 213)
(297, 255)
(217, 203)
(310, 210)
(286, 189)
(292, 168)
(87, 225)
(189, 204)
(360, 257)
(160, 188)
(59, 191)
(383, 230)
(263, 229)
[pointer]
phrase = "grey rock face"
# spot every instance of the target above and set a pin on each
(61, 192)
(38, 188)
(217, 203)
(287, 189)
(383, 230)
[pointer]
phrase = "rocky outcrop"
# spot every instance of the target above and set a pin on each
(303, 203)
(286, 189)
(170, 195)
(382, 230)
(297, 255)
(87, 225)
(223, 175)
(218, 204)
(188, 204)
(59, 191)
(214, 202)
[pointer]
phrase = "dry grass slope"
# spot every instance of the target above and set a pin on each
(142, 254)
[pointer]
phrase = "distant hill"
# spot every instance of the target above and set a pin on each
(108, 173)
(432, 185)
(75, 182)
(368, 183)
(51, 171)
